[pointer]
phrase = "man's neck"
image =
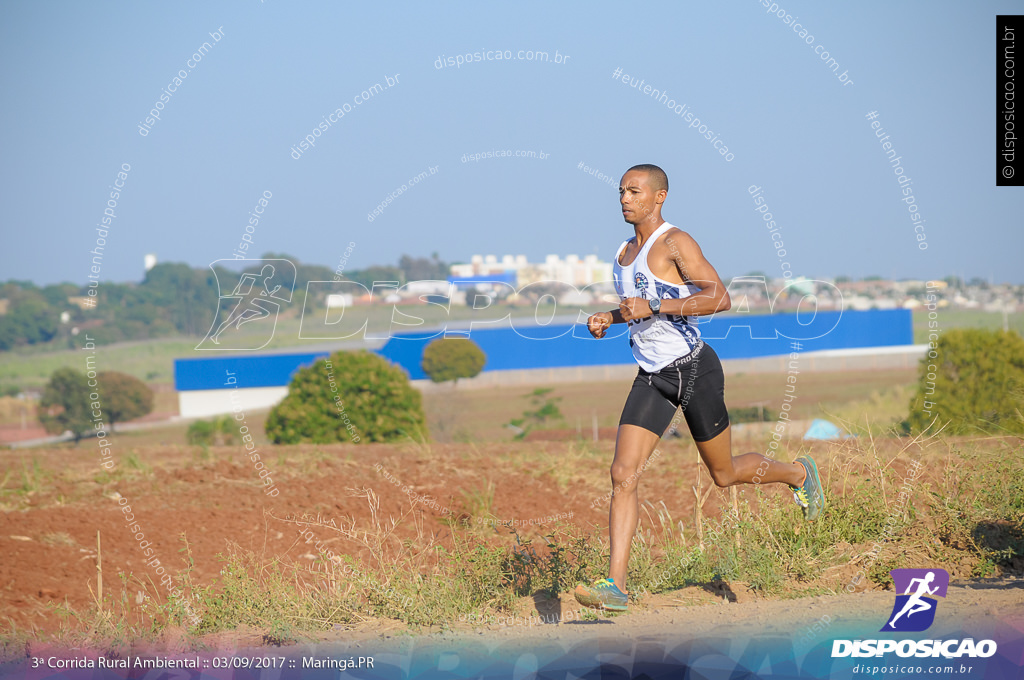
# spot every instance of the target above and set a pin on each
(646, 228)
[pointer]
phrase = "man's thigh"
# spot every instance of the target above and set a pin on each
(634, 445)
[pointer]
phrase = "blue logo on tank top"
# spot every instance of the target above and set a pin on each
(641, 284)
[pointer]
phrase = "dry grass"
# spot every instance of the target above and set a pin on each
(964, 512)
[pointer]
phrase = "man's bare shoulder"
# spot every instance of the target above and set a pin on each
(675, 238)
(676, 232)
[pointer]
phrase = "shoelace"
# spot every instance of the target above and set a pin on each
(801, 497)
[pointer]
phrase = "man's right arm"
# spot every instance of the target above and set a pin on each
(598, 323)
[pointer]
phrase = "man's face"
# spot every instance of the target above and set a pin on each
(636, 196)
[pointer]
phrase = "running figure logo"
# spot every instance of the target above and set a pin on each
(255, 299)
(914, 610)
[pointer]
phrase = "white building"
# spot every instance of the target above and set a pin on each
(572, 270)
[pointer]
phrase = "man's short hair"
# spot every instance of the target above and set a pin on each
(658, 177)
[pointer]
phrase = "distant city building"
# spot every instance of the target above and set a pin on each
(571, 270)
(427, 287)
(802, 285)
(483, 265)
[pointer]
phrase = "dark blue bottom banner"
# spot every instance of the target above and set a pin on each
(997, 654)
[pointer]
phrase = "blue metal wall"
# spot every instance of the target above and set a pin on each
(512, 347)
(250, 370)
(733, 337)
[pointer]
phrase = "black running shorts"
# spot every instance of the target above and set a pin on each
(695, 382)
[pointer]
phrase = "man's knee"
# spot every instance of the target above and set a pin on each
(723, 478)
(623, 474)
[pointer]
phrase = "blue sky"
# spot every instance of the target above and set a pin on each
(79, 78)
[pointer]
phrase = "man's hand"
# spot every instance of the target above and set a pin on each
(634, 308)
(598, 324)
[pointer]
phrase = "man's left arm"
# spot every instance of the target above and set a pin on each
(688, 259)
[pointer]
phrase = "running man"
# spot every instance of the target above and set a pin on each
(251, 307)
(663, 279)
(915, 603)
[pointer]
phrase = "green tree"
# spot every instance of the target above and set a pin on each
(452, 358)
(29, 319)
(65, 404)
(370, 275)
(172, 299)
(974, 382)
(57, 294)
(124, 396)
(348, 397)
(422, 269)
(184, 296)
(304, 273)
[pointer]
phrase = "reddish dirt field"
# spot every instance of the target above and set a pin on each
(48, 530)
(56, 500)
(17, 433)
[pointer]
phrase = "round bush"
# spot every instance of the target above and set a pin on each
(973, 381)
(125, 397)
(349, 397)
(452, 358)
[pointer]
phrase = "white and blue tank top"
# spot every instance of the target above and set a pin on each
(659, 339)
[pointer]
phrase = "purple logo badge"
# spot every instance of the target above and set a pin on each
(914, 610)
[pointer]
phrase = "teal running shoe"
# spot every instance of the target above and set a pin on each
(602, 595)
(810, 496)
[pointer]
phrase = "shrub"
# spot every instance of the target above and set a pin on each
(751, 414)
(349, 397)
(546, 408)
(125, 397)
(452, 358)
(221, 431)
(974, 380)
(65, 403)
